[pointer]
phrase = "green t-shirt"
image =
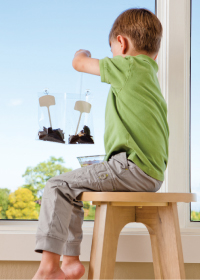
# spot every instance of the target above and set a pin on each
(136, 113)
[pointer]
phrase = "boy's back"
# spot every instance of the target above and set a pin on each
(136, 113)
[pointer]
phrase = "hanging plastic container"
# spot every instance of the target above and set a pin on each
(65, 118)
(79, 109)
(51, 117)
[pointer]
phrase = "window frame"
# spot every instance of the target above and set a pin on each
(174, 79)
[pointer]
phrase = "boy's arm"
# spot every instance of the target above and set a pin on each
(83, 62)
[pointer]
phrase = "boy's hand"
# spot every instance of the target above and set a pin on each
(83, 62)
(84, 52)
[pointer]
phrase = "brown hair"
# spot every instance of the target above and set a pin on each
(141, 26)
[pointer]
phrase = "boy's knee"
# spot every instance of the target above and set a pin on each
(50, 185)
(46, 188)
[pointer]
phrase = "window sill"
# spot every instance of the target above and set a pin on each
(18, 242)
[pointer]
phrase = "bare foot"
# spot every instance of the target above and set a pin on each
(44, 274)
(73, 270)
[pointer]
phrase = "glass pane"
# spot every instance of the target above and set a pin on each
(38, 42)
(195, 112)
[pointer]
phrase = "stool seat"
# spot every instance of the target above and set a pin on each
(137, 197)
(157, 211)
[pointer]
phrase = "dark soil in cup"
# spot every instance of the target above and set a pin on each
(53, 135)
(83, 137)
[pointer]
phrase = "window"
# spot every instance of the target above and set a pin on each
(195, 105)
(39, 39)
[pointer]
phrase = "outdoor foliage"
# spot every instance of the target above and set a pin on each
(195, 216)
(90, 215)
(3, 202)
(89, 210)
(86, 205)
(36, 177)
(21, 205)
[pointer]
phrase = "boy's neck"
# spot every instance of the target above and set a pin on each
(134, 53)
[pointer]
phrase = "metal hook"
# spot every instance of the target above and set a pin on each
(46, 91)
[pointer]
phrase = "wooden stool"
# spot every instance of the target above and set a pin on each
(157, 211)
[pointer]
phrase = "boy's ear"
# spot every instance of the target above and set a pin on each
(155, 57)
(123, 43)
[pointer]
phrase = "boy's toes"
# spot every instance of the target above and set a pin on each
(41, 274)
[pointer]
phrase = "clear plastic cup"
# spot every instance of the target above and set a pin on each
(89, 160)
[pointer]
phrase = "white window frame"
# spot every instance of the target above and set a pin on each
(174, 78)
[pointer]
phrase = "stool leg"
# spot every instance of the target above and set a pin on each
(110, 221)
(94, 243)
(169, 242)
(163, 222)
(156, 257)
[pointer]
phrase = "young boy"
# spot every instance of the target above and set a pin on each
(136, 141)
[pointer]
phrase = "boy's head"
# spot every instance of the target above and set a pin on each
(139, 29)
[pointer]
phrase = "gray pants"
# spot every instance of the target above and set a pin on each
(61, 215)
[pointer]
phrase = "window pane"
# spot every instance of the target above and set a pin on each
(38, 41)
(195, 109)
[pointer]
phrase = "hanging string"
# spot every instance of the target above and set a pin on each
(81, 84)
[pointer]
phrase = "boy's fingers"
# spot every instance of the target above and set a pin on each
(85, 51)
(82, 51)
(79, 51)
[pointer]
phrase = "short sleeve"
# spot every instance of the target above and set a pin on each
(114, 70)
